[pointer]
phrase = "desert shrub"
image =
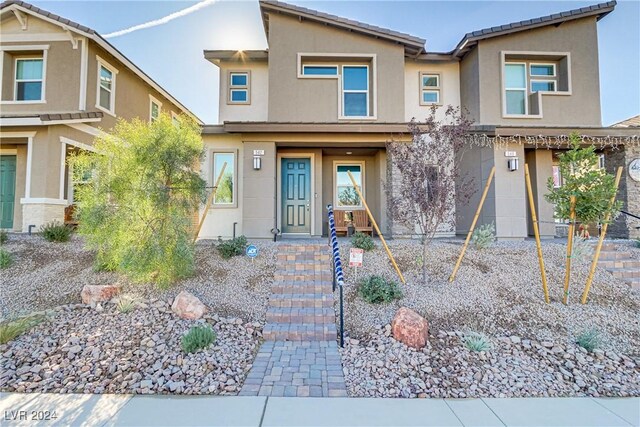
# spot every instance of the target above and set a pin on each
(126, 304)
(637, 243)
(5, 259)
(12, 329)
(4, 236)
(582, 250)
(198, 338)
(363, 241)
(589, 339)
(484, 236)
(55, 231)
(377, 290)
(143, 188)
(233, 247)
(475, 341)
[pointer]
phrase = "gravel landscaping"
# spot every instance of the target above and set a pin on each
(86, 350)
(44, 275)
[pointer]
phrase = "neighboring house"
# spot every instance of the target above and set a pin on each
(62, 84)
(330, 92)
(629, 226)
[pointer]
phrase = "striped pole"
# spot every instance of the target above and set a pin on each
(337, 267)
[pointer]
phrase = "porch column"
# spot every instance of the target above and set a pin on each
(509, 196)
(259, 191)
(541, 168)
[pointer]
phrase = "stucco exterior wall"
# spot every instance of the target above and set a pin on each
(541, 169)
(581, 108)
(257, 110)
(316, 100)
(449, 87)
(259, 190)
(470, 85)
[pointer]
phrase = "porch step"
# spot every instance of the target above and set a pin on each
(314, 315)
(625, 263)
(299, 332)
(307, 300)
(613, 255)
(625, 273)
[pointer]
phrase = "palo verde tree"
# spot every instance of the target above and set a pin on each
(137, 207)
(422, 188)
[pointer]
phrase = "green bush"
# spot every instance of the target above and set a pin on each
(15, 328)
(233, 247)
(55, 231)
(5, 259)
(475, 341)
(3, 237)
(377, 290)
(126, 304)
(589, 339)
(638, 243)
(198, 338)
(484, 236)
(363, 241)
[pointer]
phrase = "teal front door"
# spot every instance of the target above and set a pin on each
(296, 195)
(7, 190)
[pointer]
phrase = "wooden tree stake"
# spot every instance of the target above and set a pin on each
(473, 224)
(375, 225)
(603, 232)
(572, 223)
(209, 201)
(536, 232)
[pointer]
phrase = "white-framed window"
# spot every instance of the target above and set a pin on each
(239, 87)
(601, 158)
(154, 109)
(345, 195)
(542, 77)
(29, 79)
(106, 91)
(355, 90)
(542, 70)
(429, 88)
(515, 88)
(175, 118)
(543, 85)
(226, 192)
(320, 70)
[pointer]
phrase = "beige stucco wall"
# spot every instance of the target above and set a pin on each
(449, 87)
(470, 85)
(259, 190)
(258, 89)
(316, 100)
(541, 169)
(581, 108)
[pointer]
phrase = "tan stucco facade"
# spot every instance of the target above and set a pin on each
(449, 87)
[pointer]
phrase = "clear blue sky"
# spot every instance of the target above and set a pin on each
(172, 53)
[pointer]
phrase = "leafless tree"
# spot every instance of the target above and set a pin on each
(422, 187)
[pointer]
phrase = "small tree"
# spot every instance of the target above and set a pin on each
(422, 189)
(136, 210)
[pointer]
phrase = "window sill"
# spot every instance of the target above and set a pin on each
(522, 116)
(357, 118)
(231, 206)
(101, 108)
(42, 101)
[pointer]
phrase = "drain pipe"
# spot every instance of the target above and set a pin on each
(30, 227)
(234, 229)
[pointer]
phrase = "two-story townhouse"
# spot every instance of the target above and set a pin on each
(329, 92)
(62, 85)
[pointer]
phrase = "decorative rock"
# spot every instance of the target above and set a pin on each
(410, 328)
(188, 306)
(93, 294)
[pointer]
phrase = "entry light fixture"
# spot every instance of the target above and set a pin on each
(512, 164)
(349, 153)
(257, 163)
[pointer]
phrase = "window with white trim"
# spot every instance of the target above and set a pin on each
(154, 109)
(225, 194)
(239, 84)
(106, 96)
(542, 77)
(29, 79)
(430, 88)
(355, 90)
(345, 195)
(319, 70)
(175, 119)
(515, 78)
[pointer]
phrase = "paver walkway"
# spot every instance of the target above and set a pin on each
(300, 356)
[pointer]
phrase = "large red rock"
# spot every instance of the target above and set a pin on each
(188, 306)
(93, 294)
(410, 328)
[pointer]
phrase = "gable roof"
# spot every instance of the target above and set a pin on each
(93, 35)
(413, 45)
(470, 39)
(631, 122)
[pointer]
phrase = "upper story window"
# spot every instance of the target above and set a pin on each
(430, 88)
(29, 79)
(543, 77)
(106, 97)
(320, 70)
(355, 90)
(154, 109)
(516, 88)
(239, 86)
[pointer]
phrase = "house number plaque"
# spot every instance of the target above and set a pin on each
(634, 170)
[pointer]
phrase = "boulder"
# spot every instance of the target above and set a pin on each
(410, 328)
(188, 306)
(93, 294)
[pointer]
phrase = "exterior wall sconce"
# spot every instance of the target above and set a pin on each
(512, 164)
(257, 163)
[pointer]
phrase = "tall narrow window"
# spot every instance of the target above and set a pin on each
(225, 194)
(355, 90)
(516, 88)
(154, 109)
(345, 193)
(239, 88)
(106, 88)
(28, 79)
(430, 84)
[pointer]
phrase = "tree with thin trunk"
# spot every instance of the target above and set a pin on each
(422, 187)
(142, 189)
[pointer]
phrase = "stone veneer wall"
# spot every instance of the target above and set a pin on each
(628, 192)
(40, 213)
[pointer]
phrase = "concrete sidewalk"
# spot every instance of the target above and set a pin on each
(124, 410)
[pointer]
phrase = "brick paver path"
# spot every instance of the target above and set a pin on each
(300, 355)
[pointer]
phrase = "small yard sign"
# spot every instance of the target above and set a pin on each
(355, 257)
(252, 251)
